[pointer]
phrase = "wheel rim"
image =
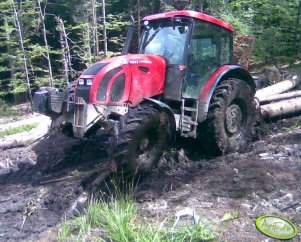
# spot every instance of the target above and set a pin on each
(234, 119)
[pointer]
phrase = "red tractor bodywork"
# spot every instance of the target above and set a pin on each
(143, 77)
(127, 80)
(181, 73)
(190, 14)
(181, 79)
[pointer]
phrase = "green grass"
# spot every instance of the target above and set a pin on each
(19, 129)
(74, 230)
(197, 232)
(118, 220)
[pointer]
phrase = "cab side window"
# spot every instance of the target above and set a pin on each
(203, 56)
(204, 48)
(226, 48)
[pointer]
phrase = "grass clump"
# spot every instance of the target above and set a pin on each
(197, 232)
(74, 230)
(19, 129)
(118, 220)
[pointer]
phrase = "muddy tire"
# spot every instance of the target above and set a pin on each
(141, 140)
(231, 117)
(56, 126)
(56, 121)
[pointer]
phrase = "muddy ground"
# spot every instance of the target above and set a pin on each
(265, 179)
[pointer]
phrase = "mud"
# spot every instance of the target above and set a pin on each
(263, 180)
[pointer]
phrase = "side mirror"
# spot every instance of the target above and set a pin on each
(182, 29)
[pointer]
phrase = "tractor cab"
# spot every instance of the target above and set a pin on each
(193, 44)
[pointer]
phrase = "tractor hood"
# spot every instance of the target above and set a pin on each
(124, 80)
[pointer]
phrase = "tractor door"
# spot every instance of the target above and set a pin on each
(169, 38)
(210, 47)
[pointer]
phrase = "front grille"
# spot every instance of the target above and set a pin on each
(84, 92)
(102, 89)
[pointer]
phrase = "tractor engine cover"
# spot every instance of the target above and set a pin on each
(124, 80)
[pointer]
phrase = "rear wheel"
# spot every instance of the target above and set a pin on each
(141, 140)
(231, 116)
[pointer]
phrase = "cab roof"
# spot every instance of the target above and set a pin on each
(191, 14)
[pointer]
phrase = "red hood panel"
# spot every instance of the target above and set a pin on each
(148, 76)
(144, 77)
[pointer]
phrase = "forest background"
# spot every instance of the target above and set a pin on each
(49, 42)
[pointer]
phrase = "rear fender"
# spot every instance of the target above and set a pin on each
(223, 73)
(172, 122)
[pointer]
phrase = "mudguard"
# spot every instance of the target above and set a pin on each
(172, 122)
(223, 73)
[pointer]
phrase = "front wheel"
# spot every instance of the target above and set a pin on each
(142, 138)
(231, 117)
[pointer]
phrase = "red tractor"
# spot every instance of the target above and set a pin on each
(181, 81)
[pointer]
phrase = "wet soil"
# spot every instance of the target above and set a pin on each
(44, 179)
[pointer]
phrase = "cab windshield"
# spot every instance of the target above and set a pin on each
(166, 39)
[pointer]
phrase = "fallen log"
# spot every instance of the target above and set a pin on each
(25, 138)
(277, 88)
(6, 145)
(281, 108)
(279, 97)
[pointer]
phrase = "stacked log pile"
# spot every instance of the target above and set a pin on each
(278, 100)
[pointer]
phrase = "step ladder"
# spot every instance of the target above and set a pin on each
(189, 119)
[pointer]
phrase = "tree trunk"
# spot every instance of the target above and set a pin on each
(138, 19)
(95, 31)
(201, 6)
(18, 26)
(9, 50)
(66, 50)
(66, 69)
(105, 41)
(297, 28)
(42, 15)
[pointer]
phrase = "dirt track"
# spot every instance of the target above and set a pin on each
(265, 179)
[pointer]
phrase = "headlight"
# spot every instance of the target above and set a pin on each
(89, 82)
(81, 82)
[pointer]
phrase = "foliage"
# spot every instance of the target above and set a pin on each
(273, 23)
(242, 23)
